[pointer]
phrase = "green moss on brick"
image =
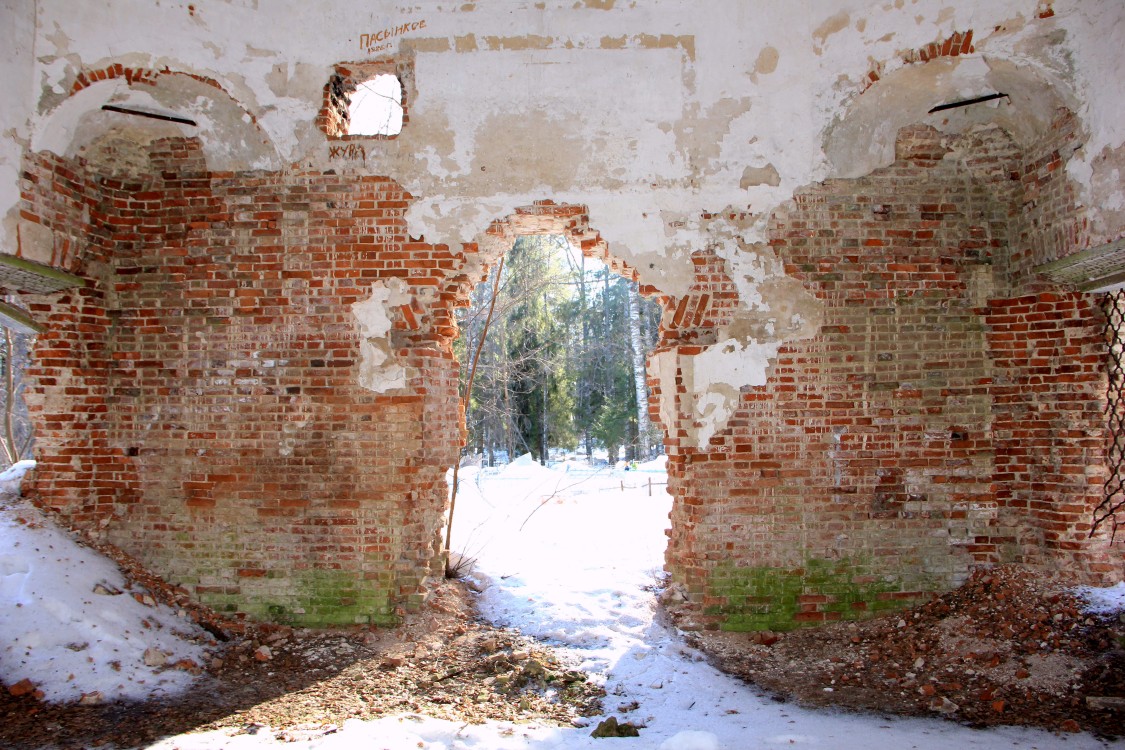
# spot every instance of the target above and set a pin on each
(316, 598)
(763, 598)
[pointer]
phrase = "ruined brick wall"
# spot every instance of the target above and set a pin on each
(936, 422)
(1049, 390)
(257, 471)
(80, 473)
(203, 403)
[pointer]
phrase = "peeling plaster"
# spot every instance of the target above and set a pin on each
(231, 141)
(836, 23)
(635, 114)
(378, 369)
(715, 376)
(774, 309)
(753, 176)
(284, 99)
(767, 60)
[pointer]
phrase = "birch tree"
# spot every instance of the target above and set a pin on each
(640, 383)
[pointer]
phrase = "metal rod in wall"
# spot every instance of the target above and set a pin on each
(152, 115)
(967, 102)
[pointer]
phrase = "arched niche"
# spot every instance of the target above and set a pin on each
(863, 138)
(111, 120)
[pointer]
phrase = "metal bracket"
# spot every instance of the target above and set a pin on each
(22, 275)
(1099, 269)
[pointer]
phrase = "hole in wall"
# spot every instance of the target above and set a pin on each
(16, 432)
(366, 100)
(558, 360)
(375, 107)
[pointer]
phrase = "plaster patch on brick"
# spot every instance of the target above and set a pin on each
(714, 377)
(754, 176)
(772, 309)
(710, 383)
(378, 369)
(289, 432)
(36, 242)
(662, 367)
(657, 243)
(771, 304)
(1103, 190)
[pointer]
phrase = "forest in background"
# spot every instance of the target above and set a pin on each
(562, 363)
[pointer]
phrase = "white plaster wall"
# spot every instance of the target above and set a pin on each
(17, 79)
(524, 100)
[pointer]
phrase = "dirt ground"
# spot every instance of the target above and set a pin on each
(1006, 647)
(1002, 649)
(444, 662)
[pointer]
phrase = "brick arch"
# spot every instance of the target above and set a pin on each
(956, 44)
(905, 90)
(548, 217)
(149, 76)
(66, 125)
(542, 217)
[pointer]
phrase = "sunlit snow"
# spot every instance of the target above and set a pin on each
(71, 627)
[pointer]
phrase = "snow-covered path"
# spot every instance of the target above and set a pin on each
(577, 570)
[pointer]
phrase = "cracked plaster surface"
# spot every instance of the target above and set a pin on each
(378, 370)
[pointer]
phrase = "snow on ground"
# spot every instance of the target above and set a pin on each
(570, 555)
(69, 625)
(1104, 601)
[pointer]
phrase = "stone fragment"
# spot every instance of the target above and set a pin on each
(1107, 703)
(154, 657)
(23, 687)
(943, 706)
(611, 728)
(263, 653)
(766, 637)
(188, 665)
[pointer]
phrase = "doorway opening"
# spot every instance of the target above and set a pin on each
(555, 345)
(560, 509)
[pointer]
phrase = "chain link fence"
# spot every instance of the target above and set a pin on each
(1113, 304)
